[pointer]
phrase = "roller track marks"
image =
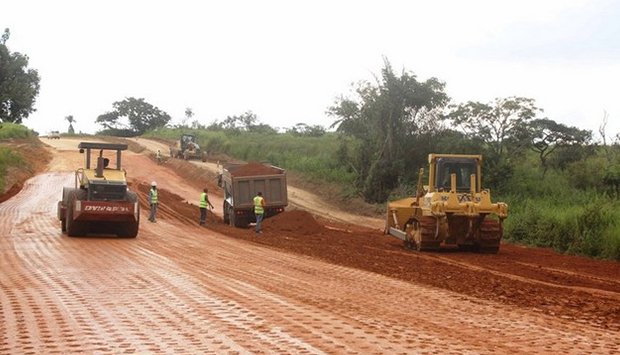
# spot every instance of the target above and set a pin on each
(178, 288)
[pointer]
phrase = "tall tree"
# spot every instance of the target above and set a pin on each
(548, 135)
(134, 114)
(501, 127)
(238, 123)
(19, 85)
(496, 123)
(384, 116)
(70, 119)
(189, 113)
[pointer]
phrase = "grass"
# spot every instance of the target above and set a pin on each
(313, 157)
(14, 131)
(8, 156)
(585, 225)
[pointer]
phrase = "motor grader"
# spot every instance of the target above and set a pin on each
(452, 209)
(187, 148)
(99, 201)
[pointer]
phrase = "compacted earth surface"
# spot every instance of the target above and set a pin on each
(317, 280)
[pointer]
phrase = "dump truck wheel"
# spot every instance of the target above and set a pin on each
(75, 228)
(241, 222)
(186, 155)
(225, 209)
(231, 217)
(204, 157)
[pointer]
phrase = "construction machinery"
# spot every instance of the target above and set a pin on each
(100, 201)
(187, 148)
(452, 209)
(241, 183)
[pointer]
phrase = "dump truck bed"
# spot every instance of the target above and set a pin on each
(244, 181)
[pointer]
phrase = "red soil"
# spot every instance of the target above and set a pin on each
(569, 286)
(252, 168)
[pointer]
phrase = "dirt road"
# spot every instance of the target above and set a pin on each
(332, 288)
(298, 197)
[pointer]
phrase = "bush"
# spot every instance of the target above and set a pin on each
(12, 130)
(8, 158)
(585, 223)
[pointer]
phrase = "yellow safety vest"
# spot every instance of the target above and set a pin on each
(258, 206)
(153, 196)
(203, 200)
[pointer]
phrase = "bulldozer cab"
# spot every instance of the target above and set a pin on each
(463, 167)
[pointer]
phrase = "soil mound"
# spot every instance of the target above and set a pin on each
(296, 221)
(252, 168)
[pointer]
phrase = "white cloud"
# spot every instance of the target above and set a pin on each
(287, 61)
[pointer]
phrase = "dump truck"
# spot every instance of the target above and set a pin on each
(453, 209)
(241, 183)
(100, 201)
(187, 148)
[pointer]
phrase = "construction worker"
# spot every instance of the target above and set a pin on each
(153, 201)
(204, 203)
(259, 211)
(158, 156)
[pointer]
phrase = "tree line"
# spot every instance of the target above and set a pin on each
(388, 126)
(398, 120)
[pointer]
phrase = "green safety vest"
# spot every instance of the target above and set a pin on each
(153, 196)
(258, 207)
(203, 200)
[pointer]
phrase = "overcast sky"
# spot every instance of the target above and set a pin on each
(287, 61)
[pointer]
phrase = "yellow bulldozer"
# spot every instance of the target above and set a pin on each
(452, 209)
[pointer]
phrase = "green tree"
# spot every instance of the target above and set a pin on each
(240, 123)
(70, 119)
(19, 85)
(302, 129)
(548, 135)
(189, 113)
(133, 114)
(385, 116)
(501, 126)
(498, 123)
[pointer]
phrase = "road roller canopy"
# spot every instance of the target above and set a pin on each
(101, 160)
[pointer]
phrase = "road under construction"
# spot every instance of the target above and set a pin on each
(318, 280)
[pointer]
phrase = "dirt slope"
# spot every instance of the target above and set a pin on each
(307, 285)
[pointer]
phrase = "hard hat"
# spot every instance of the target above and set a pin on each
(153, 183)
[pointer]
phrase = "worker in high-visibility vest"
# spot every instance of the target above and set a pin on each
(259, 211)
(204, 203)
(153, 201)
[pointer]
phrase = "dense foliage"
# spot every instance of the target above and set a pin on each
(19, 85)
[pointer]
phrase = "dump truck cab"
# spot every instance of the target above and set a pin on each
(100, 200)
(452, 208)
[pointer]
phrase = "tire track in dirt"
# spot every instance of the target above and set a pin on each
(593, 291)
(178, 288)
